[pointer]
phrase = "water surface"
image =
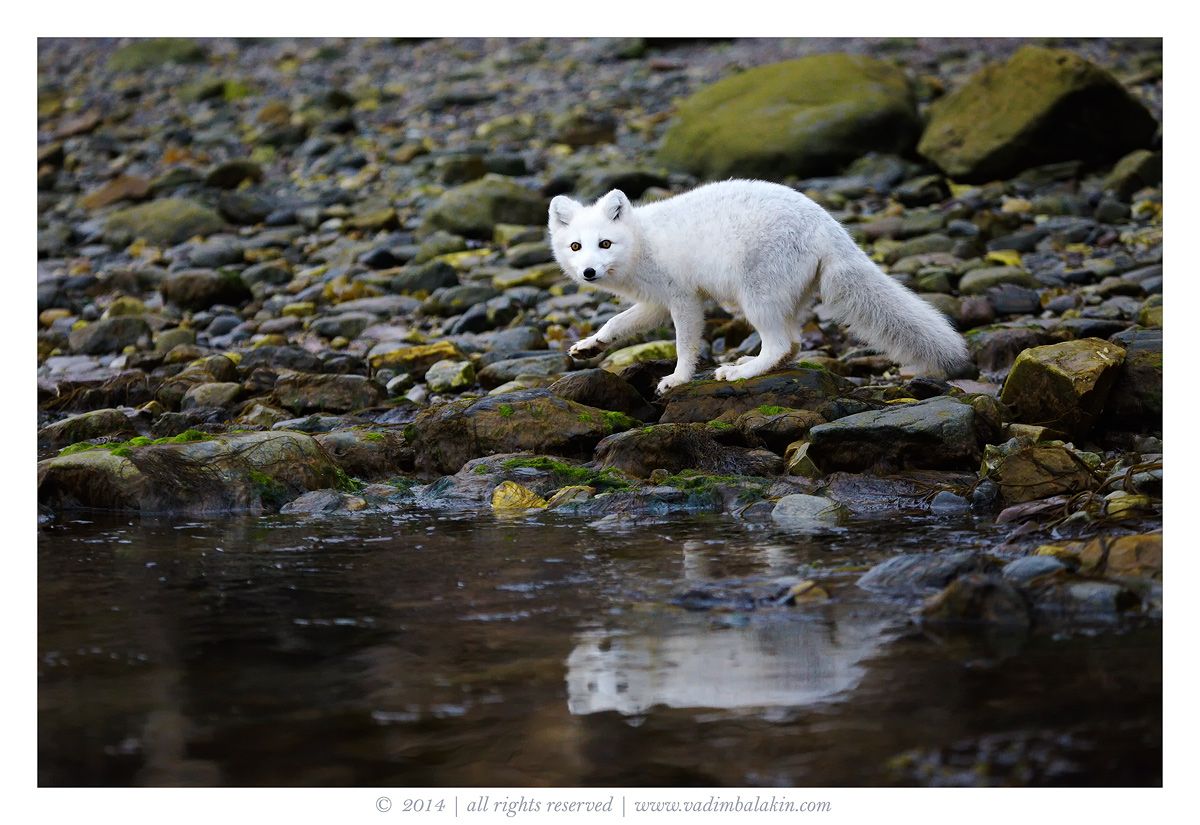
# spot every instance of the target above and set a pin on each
(444, 649)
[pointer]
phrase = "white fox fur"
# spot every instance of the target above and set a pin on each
(762, 246)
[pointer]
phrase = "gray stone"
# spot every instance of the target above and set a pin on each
(1027, 568)
(542, 365)
(919, 573)
(108, 335)
(807, 513)
(938, 433)
(344, 324)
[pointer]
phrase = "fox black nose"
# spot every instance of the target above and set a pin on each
(589, 274)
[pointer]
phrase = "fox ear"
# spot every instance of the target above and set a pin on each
(562, 210)
(615, 205)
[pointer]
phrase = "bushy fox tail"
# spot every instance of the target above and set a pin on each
(890, 317)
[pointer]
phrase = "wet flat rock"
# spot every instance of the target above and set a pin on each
(938, 433)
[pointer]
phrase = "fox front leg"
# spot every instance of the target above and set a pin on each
(688, 316)
(637, 318)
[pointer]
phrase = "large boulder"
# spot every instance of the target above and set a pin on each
(804, 117)
(1041, 106)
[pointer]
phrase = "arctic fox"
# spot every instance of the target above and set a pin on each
(762, 246)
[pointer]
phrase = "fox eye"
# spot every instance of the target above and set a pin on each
(605, 244)
(575, 247)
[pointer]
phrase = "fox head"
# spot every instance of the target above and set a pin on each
(592, 243)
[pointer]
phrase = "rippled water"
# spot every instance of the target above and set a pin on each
(425, 649)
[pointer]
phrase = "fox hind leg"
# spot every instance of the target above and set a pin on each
(777, 344)
(780, 326)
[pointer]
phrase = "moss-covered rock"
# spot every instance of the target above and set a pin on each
(450, 375)
(804, 117)
(474, 209)
(778, 427)
(649, 351)
(803, 389)
(601, 388)
(979, 281)
(162, 222)
(146, 54)
(240, 472)
(1041, 106)
(1063, 386)
(367, 454)
(703, 448)
(447, 436)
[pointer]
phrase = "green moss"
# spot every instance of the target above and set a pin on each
(585, 417)
(348, 483)
(605, 479)
(810, 365)
(695, 480)
(374, 436)
(769, 410)
(410, 433)
(122, 451)
(617, 421)
(78, 448)
(720, 425)
(505, 410)
(270, 491)
(185, 437)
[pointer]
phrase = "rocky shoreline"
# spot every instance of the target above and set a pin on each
(312, 277)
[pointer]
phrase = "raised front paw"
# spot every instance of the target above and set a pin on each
(587, 348)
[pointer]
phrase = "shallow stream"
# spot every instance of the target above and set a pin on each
(463, 649)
